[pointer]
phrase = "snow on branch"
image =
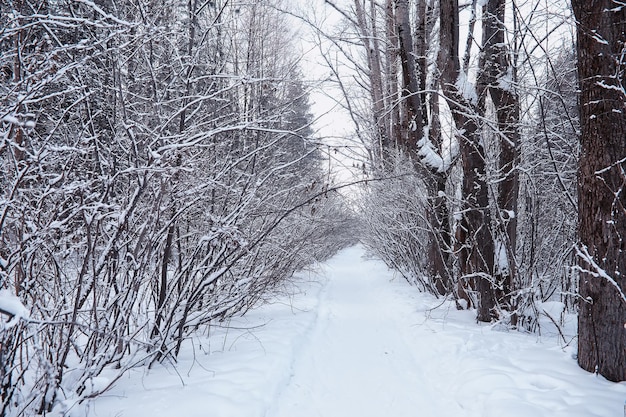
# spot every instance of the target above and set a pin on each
(430, 156)
(598, 38)
(485, 276)
(13, 307)
(466, 88)
(598, 272)
(619, 7)
(607, 169)
(104, 14)
(604, 85)
(505, 81)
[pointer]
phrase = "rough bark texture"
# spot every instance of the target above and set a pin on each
(473, 235)
(421, 51)
(414, 89)
(496, 77)
(409, 75)
(369, 37)
(601, 35)
(391, 53)
(439, 247)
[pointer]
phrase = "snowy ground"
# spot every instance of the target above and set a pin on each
(357, 342)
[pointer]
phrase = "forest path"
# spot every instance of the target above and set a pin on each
(353, 340)
(359, 357)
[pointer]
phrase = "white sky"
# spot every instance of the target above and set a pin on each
(333, 123)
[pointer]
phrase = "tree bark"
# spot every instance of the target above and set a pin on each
(409, 76)
(440, 250)
(421, 52)
(601, 32)
(440, 244)
(394, 132)
(496, 77)
(414, 90)
(369, 37)
(473, 234)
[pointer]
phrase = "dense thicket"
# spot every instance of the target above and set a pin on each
(158, 173)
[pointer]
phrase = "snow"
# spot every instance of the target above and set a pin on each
(355, 340)
(13, 307)
(11, 119)
(429, 155)
(510, 214)
(597, 271)
(598, 38)
(14, 120)
(501, 260)
(466, 88)
(505, 82)
(554, 310)
(618, 88)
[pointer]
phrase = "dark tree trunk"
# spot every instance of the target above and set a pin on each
(409, 76)
(440, 250)
(473, 235)
(421, 52)
(369, 37)
(394, 133)
(496, 77)
(439, 247)
(601, 32)
(476, 242)
(414, 89)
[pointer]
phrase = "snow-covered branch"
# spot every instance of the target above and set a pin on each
(596, 270)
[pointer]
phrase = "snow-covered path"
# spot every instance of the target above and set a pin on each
(355, 341)
(356, 361)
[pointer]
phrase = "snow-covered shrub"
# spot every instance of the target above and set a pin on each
(395, 228)
(147, 187)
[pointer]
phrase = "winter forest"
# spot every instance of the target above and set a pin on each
(168, 165)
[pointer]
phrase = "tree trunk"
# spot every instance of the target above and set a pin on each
(394, 132)
(440, 250)
(473, 234)
(414, 89)
(369, 37)
(409, 77)
(440, 244)
(421, 52)
(496, 77)
(476, 242)
(601, 32)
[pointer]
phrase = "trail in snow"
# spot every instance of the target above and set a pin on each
(357, 342)
(356, 361)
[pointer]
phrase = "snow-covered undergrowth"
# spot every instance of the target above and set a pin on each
(357, 341)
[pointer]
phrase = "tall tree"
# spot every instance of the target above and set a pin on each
(601, 47)
(496, 79)
(428, 149)
(473, 234)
